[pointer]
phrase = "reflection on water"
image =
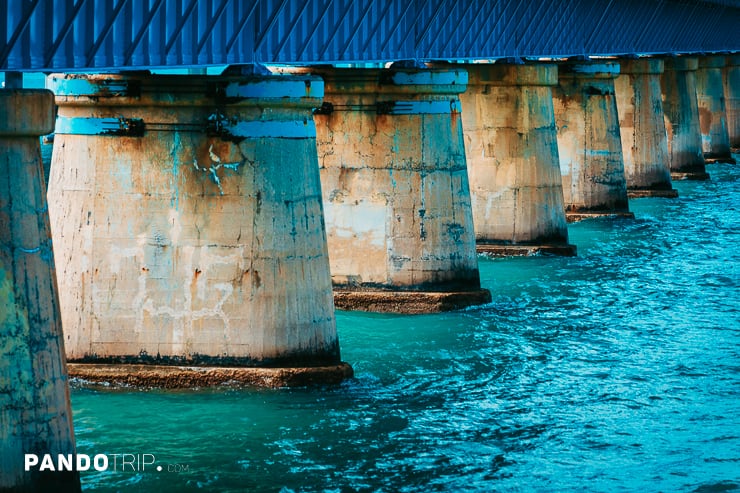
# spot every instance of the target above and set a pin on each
(617, 370)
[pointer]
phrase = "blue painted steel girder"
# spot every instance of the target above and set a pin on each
(106, 34)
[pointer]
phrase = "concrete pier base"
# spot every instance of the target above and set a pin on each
(681, 112)
(35, 415)
(187, 377)
(395, 188)
(589, 141)
(640, 193)
(691, 175)
(408, 302)
(642, 128)
(574, 217)
(710, 96)
(188, 221)
(519, 250)
(731, 79)
(513, 164)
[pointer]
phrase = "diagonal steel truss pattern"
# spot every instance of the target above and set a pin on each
(106, 34)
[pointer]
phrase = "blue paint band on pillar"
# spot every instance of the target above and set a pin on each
(448, 77)
(131, 127)
(310, 88)
(98, 88)
(272, 88)
(293, 129)
(136, 127)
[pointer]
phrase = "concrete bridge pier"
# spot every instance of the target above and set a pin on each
(35, 416)
(642, 128)
(396, 193)
(513, 164)
(589, 142)
(710, 96)
(189, 230)
(681, 112)
(731, 78)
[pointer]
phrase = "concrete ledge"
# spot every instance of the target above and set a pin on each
(720, 159)
(182, 377)
(689, 176)
(408, 302)
(493, 250)
(573, 217)
(639, 194)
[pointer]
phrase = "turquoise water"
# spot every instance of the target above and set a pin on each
(617, 370)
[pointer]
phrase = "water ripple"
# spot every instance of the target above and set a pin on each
(616, 370)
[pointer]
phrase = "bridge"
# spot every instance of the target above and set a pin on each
(225, 173)
(64, 35)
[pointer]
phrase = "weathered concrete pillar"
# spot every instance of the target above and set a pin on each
(642, 127)
(589, 142)
(396, 194)
(189, 228)
(731, 78)
(35, 416)
(513, 164)
(710, 96)
(682, 118)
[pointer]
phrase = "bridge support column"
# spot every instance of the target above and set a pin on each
(682, 119)
(513, 164)
(732, 99)
(589, 142)
(710, 96)
(35, 416)
(189, 227)
(396, 192)
(642, 128)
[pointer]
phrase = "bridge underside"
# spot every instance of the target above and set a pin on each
(91, 35)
